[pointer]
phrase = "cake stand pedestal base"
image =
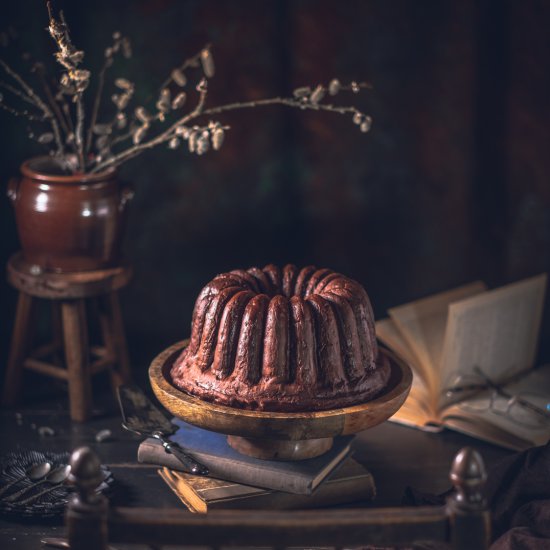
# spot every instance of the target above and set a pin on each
(280, 449)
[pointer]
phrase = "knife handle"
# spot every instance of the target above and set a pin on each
(188, 461)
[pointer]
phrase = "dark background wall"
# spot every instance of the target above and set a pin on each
(451, 185)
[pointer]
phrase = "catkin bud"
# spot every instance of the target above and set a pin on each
(45, 138)
(102, 129)
(173, 143)
(302, 92)
(203, 144)
(183, 131)
(317, 95)
(139, 134)
(334, 86)
(142, 115)
(366, 124)
(217, 138)
(354, 87)
(207, 63)
(179, 100)
(163, 103)
(192, 142)
(357, 118)
(178, 76)
(124, 84)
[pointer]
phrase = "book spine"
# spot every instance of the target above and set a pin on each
(150, 452)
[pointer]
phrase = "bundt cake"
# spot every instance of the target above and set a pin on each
(282, 340)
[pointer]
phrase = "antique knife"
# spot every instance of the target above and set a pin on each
(140, 416)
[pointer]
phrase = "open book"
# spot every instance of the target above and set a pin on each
(472, 351)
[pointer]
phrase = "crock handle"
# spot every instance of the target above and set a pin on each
(13, 188)
(126, 195)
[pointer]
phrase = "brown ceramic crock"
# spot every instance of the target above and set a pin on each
(68, 222)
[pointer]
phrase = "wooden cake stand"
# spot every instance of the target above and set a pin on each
(278, 435)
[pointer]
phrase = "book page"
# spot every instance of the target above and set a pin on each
(416, 410)
(422, 325)
(503, 420)
(496, 331)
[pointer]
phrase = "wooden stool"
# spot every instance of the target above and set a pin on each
(68, 293)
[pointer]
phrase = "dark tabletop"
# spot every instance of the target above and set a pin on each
(397, 457)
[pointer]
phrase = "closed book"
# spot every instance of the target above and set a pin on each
(224, 462)
(349, 482)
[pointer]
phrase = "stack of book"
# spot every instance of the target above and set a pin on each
(241, 481)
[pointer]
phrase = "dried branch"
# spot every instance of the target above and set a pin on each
(75, 80)
(97, 102)
(17, 92)
(146, 129)
(304, 99)
(37, 101)
(177, 73)
(120, 44)
(25, 114)
(53, 104)
(161, 138)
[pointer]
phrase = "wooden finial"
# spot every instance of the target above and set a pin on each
(86, 515)
(85, 473)
(468, 476)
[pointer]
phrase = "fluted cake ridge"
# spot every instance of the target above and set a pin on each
(282, 340)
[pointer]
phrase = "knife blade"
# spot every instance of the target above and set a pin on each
(140, 416)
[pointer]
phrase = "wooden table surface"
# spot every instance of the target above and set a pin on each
(397, 456)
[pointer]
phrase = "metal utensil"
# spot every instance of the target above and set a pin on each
(34, 473)
(56, 476)
(58, 542)
(55, 481)
(140, 416)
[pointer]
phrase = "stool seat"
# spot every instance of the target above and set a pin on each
(30, 279)
(69, 295)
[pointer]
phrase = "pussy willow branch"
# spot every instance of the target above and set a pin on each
(97, 103)
(289, 102)
(25, 114)
(50, 97)
(192, 61)
(37, 102)
(78, 135)
(39, 69)
(80, 114)
(162, 137)
(66, 111)
(60, 33)
(17, 92)
(199, 111)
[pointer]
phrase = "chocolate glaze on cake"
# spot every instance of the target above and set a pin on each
(282, 340)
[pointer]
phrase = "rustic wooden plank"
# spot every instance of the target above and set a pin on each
(295, 528)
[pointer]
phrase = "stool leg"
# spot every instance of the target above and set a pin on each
(57, 333)
(75, 334)
(18, 350)
(112, 328)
